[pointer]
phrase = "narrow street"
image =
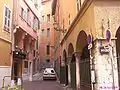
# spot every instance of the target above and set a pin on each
(39, 84)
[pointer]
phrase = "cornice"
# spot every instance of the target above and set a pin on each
(8, 41)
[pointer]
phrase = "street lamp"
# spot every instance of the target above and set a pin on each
(58, 28)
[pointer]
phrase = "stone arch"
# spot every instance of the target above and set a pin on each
(81, 41)
(84, 61)
(118, 51)
(72, 66)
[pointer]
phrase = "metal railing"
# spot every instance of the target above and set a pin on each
(3, 82)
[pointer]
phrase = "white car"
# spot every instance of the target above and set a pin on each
(49, 73)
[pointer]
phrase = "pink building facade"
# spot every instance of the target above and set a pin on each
(25, 28)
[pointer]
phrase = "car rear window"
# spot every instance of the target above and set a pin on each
(52, 71)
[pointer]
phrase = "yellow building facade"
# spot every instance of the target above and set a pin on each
(6, 7)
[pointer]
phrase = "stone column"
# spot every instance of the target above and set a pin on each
(69, 61)
(77, 57)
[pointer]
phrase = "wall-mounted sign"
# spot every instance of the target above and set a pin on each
(108, 35)
(104, 49)
(90, 46)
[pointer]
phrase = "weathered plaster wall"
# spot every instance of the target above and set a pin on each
(104, 11)
(105, 66)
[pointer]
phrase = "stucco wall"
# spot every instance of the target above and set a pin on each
(5, 71)
(5, 53)
(86, 23)
(106, 11)
(9, 4)
(106, 71)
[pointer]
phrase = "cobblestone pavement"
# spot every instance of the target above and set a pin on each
(39, 84)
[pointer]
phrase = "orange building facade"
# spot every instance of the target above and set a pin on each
(5, 40)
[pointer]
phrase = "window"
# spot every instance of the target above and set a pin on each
(43, 18)
(25, 64)
(48, 17)
(34, 23)
(42, 31)
(78, 5)
(48, 49)
(48, 32)
(28, 16)
(22, 12)
(7, 19)
(69, 19)
(63, 23)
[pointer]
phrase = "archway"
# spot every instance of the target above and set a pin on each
(64, 70)
(118, 52)
(72, 66)
(84, 63)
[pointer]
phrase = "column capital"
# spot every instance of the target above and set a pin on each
(69, 58)
(77, 54)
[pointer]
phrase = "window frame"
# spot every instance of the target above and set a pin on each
(22, 12)
(28, 16)
(47, 49)
(43, 18)
(25, 64)
(48, 32)
(48, 17)
(43, 31)
(9, 18)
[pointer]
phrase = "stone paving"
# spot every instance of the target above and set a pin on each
(38, 77)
